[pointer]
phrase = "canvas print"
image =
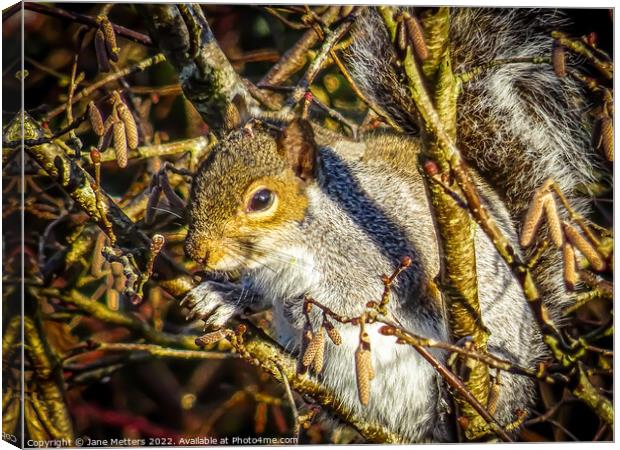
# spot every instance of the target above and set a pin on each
(291, 224)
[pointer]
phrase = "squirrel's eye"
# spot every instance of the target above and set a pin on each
(261, 200)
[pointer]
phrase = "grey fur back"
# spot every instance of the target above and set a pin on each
(518, 124)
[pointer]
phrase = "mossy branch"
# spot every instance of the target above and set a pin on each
(456, 229)
(565, 353)
(195, 147)
(160, 351)
(46, 391)
(261, 351)
(586, 392)
(207, 77)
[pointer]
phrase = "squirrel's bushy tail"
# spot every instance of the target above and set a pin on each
(518, 124)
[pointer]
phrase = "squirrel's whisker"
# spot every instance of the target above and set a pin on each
(240, 258)
(279, 256)
(168, 211)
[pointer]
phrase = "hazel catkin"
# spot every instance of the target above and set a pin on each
(305, 342)
(313, 347)
(109, 37)
(363, 371)
(101, 52)
(553, 220)
(345, 10)
(120, 143)
(416, 37)
(130, 125)
(95, 118)
(533, 217)
(607, 137)
(319, 357)
(332, 332)
(211, 338)
(558, 57)
(586, 249)
(98, 259)
(570, 269)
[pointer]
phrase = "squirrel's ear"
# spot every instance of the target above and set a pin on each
(296, 144)
(236, 113)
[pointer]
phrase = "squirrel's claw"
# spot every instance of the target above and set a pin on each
(222, 314)
(211, 302)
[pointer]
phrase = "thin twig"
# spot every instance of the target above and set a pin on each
(324, 52)
(87, 20)
(586, 297)
(471, 74)
(487, 358)
(458, 385)
(84, 93)
(345, 73)
(291, 400)
(285, 21)
(295, 58)
(161, 352)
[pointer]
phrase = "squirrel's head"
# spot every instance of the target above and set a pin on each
(247, 193)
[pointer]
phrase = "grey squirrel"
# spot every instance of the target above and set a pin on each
(309, 212)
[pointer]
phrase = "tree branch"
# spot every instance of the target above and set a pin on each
(87, 20)
(207, 77)
(262, 351)
(88, 90)
(459, 281)
(567, 354)
(295, 58)
(78, 184)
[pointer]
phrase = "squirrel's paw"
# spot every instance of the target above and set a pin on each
(213, 302)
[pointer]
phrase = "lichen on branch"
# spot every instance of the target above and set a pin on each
(456, 229)
(207, 77)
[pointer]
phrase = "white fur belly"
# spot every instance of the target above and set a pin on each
(403, 393)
